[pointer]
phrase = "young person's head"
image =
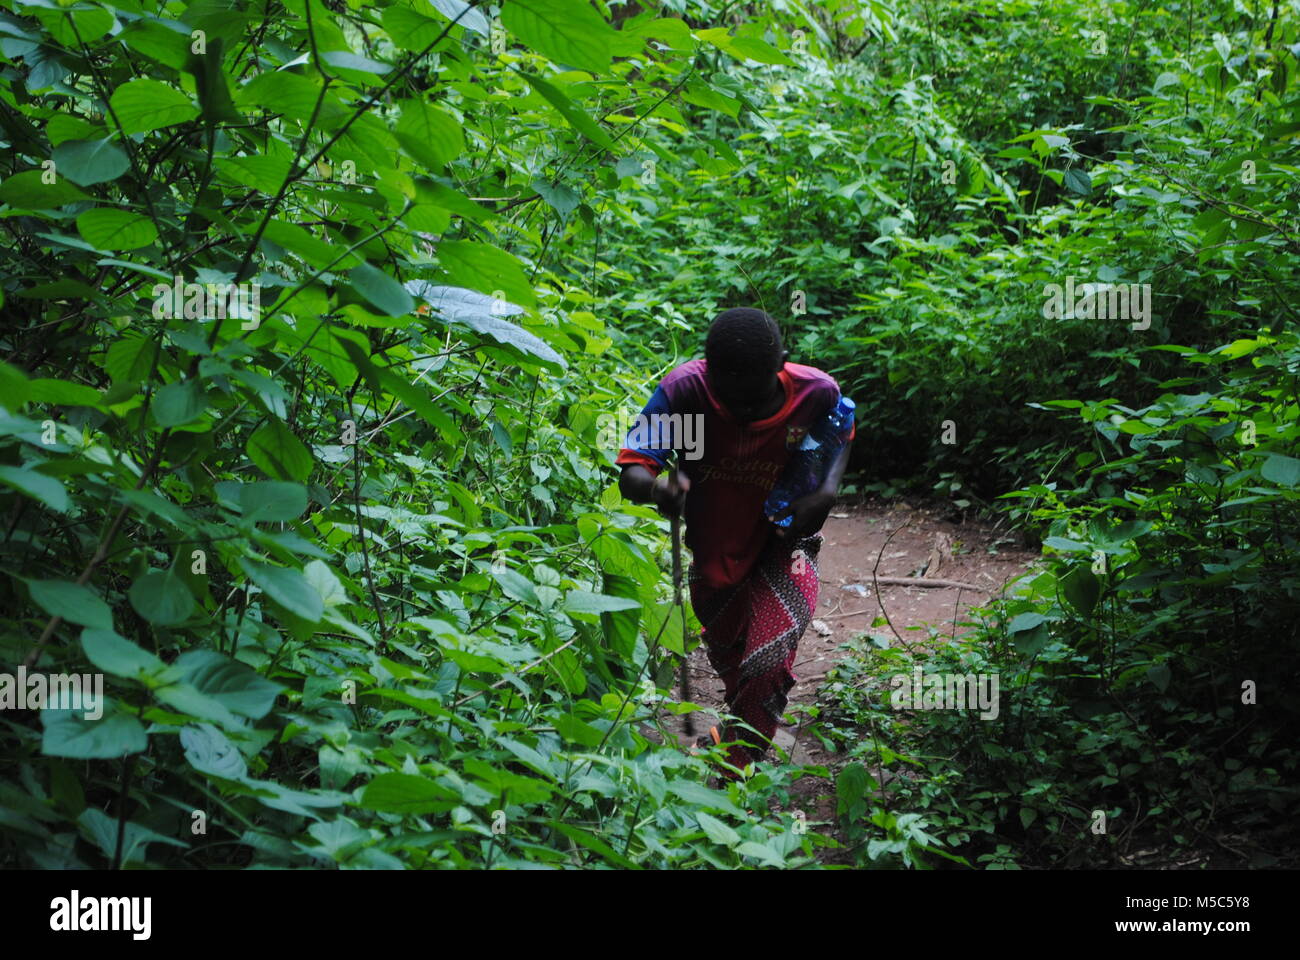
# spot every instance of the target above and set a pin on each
(744, 354)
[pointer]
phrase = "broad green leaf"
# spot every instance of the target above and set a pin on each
(27, 191)
(1281, 470)
(410, 30)
(487, 269)
(1077, 181)
(157, 41)
(210, 751)
(287, 587)
(620, 627)
(521, 789)
(179, 403)
(381, 290)
(261, 172)
(413, 395)
(575, 115)
(293, 96)
(502, 436)
(1082, 589)
(129, 359)
(278, 453)
(184, 698)
(744, 48)
(1130, 530)
(71, 601)
(559, 197)
(1025, 621)
(483, 314)
(63, 127)
(145, 104)
(15, 390)
(210, 84)
(111, 229)
(592, 842)
(162, 597)
(700, 795)
(716, 830)
(432, 193)
(63, 393)
(408, 794)
(1137, 427)
(702, 95)
(322, 578)
(347, 61)
(1030, 642)
(102, 830)
(317, 252)
(67, 733)
(545, 766)
(566, 31)
(631, 166)
(516, 586)
(570, 671)
(670, 30)
(664, 620)
(475, 662)
(301, 803)
(1166, 79)
(1159, 674)
(1240, 348)
(574, 730)
(269, 500)
(344, 841)
(751, 48)
(852, 784)
(90, 161)
(38, 486)
(428, 217)
(64, 288)
(238, 687)
(150, 505)
(1223, 47)
(428, 133)
(462, 14)
(82, 24)
(117, 655)
(581, 601)
(765, 854)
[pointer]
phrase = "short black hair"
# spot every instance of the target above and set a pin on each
(743, 339)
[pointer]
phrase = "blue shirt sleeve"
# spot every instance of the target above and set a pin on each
(650, 434)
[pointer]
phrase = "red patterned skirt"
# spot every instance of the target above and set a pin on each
(751, 634)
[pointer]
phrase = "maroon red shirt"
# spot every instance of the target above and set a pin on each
(738, 466)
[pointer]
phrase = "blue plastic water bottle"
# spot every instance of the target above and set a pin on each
(808, 465)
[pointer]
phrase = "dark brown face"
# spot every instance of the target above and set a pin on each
(748, 395)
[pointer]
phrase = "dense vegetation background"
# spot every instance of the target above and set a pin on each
(352, 558)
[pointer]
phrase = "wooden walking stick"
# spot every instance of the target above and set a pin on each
(677, 599)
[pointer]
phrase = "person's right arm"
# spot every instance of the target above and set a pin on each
(647, 481)
(666, 491)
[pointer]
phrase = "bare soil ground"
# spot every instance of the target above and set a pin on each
(898, 541)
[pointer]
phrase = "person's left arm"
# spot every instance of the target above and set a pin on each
(810, 511)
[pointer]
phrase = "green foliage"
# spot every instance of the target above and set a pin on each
(301, 448)
(1134, 663)
(312, 315)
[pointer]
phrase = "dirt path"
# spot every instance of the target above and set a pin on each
(924, 542)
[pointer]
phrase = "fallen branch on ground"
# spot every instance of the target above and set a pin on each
(924, 582)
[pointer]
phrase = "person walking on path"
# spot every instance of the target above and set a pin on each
(753, 582)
